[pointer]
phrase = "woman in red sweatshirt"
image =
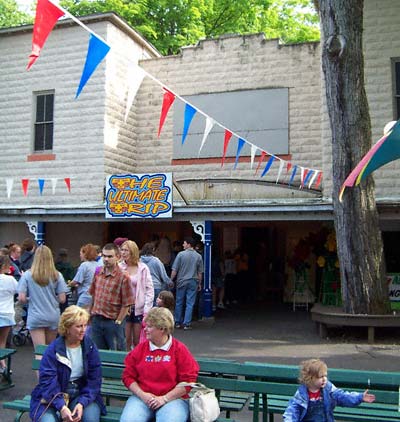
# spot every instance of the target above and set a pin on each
(153, 370)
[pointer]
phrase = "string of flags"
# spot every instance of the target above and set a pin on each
(48, 13)
(26, 183)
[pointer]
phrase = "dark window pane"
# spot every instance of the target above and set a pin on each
(39, 137)
(398, 108)
(48, 144)
(397, 70)
(40, 108)
(49, 107)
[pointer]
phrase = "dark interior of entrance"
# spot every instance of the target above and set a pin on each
(265, 247)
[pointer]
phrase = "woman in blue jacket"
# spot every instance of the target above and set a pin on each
(69, 375)
(316, 397)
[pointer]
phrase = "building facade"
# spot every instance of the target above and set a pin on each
(270, 94)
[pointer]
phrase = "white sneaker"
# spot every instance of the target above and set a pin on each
(221, 306)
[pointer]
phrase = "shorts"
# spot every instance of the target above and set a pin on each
(135, 319)
(84, 299)
(218, 282)
(7, 321)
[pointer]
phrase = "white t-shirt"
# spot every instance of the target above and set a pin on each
(74, 355)
(8, 288)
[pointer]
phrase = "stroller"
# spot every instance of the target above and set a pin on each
(20, 331)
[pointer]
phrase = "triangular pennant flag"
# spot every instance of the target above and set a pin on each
(240, 146)
(313, 178)
(168, 100)
(53, 185)
(252, 155)
(9, 184)
(293, 174)
(227, 138)
(281, 164)
(209, 125)
(41, 186)
(25, 184)
(67, 181)
(307, 177)
(261, 159)
(268, 165)
(189, 114)
(302, 175)
(318, 180)
(47, 14)
(288, 166)
(135, 77)
(97, 50)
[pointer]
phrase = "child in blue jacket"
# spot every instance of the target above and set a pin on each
(316, 398)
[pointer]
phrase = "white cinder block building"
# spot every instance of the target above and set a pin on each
(269, 94)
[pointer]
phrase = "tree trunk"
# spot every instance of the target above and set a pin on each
(359, 240)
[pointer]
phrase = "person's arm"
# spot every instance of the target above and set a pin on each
(122, 314)
(149, 290)
(22, 290)
(62, 298)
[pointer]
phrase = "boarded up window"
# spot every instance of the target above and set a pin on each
(258, 116)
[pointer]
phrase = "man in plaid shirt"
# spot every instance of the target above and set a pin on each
(112, 295)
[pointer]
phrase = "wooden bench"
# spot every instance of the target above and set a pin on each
(6, 382)
(385, 386)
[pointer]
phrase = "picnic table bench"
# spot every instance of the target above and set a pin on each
(7, 379)
(385, 386)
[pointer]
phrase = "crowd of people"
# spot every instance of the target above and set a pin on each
(125, 299)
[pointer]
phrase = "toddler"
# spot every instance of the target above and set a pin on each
(316, 398)
(166, 300)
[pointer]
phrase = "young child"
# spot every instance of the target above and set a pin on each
(316, 398)
(166, 300)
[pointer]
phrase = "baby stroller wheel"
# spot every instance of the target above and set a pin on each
(19, 339)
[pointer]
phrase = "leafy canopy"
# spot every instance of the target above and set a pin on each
(11, 15)
(172, 24)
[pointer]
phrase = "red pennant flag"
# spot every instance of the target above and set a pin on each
(47, 14)
(227, 138)
(319, 179)
(263, 154)
(25, 184)
(168, 100)
(304, 177)
(67, 181)
(288, 167)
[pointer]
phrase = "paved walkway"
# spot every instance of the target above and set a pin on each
(260, 333)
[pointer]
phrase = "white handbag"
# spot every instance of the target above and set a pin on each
(203, 403)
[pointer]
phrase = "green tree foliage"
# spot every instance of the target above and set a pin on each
(10, 15)
(171, 24)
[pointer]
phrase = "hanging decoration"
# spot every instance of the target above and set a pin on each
(47, 14)
(41, 182)
(384, 151)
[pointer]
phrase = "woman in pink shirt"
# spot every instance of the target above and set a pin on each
(143, 291)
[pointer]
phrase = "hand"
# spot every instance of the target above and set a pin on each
(66, 414)
(368, 398)
(156, 402)
(77, 412)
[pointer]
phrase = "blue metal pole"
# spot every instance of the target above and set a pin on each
(207, 294)
(40, 234)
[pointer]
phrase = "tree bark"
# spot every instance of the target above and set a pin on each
(359, 240)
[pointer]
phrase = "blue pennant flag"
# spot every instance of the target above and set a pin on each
(240, 146)
(97, 50)
(293, 174)
(268, 165)
(41, 185)
(189, 113)
(308, 177)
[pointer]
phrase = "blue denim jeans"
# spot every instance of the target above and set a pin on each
(136, 410)
(185, 294)
(91, 413)
(106, 333)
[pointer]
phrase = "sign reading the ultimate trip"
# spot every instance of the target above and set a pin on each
(139, 195)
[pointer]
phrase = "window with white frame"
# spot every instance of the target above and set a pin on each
(396, 78)
(44, 123)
